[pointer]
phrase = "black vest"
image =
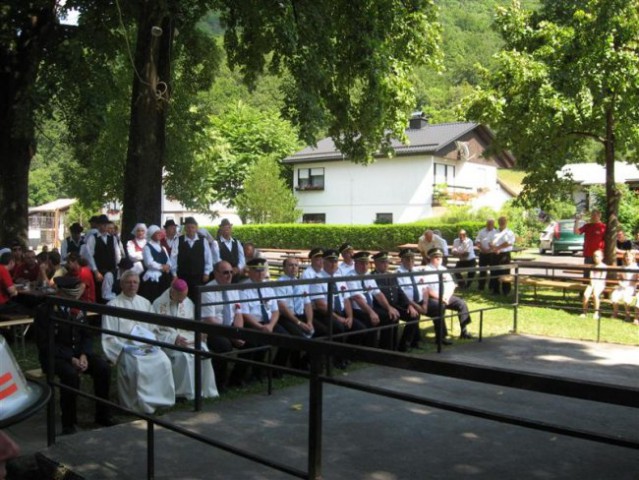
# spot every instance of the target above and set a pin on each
(74, 247)
(104, 254)
(233, 255)
(190, 260)
(158, 257)
(392, 291)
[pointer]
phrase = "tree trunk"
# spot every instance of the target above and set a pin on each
(612, 193)
(15, 159)
(142, 197)
(19, 63)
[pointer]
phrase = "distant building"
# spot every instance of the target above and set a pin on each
(443, 164)
(47, 223)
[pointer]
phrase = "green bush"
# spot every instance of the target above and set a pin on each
(373, 237)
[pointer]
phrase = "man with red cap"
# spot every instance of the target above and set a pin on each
(175, 302)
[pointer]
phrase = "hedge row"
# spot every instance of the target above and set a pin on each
(373, 237)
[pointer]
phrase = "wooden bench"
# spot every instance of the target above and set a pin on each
(19, 323)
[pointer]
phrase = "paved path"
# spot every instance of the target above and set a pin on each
(370, 437)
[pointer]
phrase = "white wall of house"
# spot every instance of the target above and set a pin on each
(401, 186)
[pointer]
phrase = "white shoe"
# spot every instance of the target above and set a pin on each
(583, 315)
(596, 316)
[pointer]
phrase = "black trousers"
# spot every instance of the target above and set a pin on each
(465, 283)
(410, 334)
(386, 336)
(458, 305)
(485, 260)
(497, 269)
(99, 371)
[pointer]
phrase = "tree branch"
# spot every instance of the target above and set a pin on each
(588, 134)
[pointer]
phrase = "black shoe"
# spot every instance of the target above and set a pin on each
(106, 421)
(445, 341)
(466, 335)
(69, 430)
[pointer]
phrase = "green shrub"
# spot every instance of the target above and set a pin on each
(373, 237)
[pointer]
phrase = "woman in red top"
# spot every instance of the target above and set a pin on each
(7, 288)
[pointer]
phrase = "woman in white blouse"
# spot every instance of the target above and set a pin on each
(157, 277)
(135, 247)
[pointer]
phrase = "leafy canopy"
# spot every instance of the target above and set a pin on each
(567, 75)
(348, 63)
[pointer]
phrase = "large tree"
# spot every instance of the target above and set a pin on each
(28, 31)
(568, 75)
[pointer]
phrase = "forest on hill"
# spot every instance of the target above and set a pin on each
(242, 121)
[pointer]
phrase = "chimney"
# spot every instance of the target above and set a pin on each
(417, 121)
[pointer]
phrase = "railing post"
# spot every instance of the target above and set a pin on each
(150, 450)
(50, 373)
(197, 371)
(329, 314)
(315, 419)
(516, 309)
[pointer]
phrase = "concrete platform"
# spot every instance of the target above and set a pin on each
(369, 437)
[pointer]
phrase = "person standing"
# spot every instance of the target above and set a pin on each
(483, 242)
(73, 243)
(464, 249)
(594, 234)
(157, 275)
(231, 250)
(135, 247)
(170, 238)
(192, 260)
(102, 252)
(501, 245)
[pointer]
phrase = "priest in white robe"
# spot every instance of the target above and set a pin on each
(175, 302)
(144, 377)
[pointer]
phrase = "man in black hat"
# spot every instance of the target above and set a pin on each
(347, 265)
(370, 306)
(191, 259)
(317, 263)
(415, 289)
(260, 309)
(231, 250)
(102, 252)
(170, 239)
(395, 296)
(341, 318)
(443, 292)
(72, 243)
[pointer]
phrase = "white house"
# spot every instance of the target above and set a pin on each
(585, 175)
(444, 161)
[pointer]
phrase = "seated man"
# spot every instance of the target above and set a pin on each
(395, 296)
(145, 379)
(74, 353)
(259, 307)
(448, 300)
(429, 240)
(27, 270)
(414, 289)
(8, 290)
(296, 311)
(174, 302)
(341, 319)
(223, 308)
(370, 305)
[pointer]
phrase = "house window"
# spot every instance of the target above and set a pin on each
(383, 218)
(444, 174)
(314, 218)
(310, 178)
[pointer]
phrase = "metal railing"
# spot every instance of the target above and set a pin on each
(317, 351)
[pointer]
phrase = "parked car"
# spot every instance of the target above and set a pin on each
(559, 237)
